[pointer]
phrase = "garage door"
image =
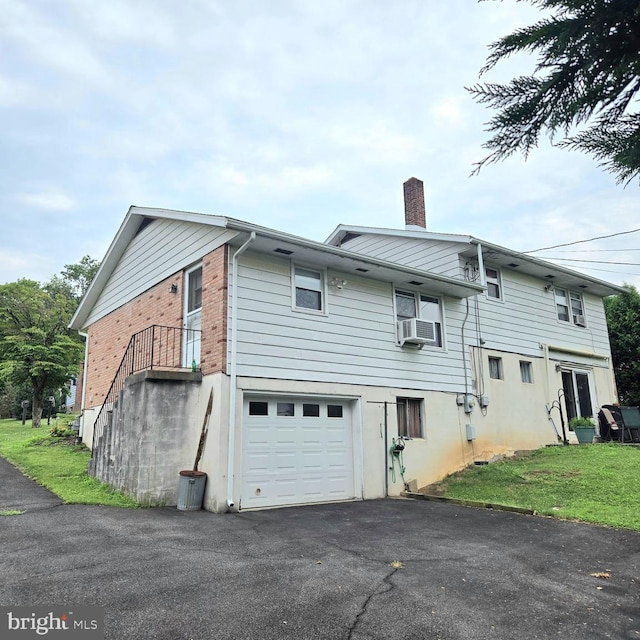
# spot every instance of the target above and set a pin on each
(296, 451)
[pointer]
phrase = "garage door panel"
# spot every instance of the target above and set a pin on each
(295, 458)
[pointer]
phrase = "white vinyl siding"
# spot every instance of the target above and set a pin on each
(161, 249)
(428, 255)
(354, 344)
(528, 318)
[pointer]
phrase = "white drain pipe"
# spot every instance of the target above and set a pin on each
(233, 372)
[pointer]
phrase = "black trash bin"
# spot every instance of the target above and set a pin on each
(191, 490)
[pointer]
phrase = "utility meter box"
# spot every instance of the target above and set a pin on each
(471, 432)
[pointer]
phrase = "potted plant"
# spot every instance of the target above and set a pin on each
(584, 428)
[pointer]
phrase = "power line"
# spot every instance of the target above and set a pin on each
(591, 250)
(568, 244)
(630, 264)
(620, 273)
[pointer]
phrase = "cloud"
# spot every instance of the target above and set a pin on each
(47, 200)
(295, 112)
(16, 264)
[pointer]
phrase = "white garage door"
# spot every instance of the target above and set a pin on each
(296, 451)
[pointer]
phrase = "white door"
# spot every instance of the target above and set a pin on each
(192, 317)
(296, 451)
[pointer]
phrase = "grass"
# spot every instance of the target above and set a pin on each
(57, 464)
(597, 483)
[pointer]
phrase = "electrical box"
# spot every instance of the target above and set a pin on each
(471, 432)
(469, 403)
(460, 399)
(484, 401)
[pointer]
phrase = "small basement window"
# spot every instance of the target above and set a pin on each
(525, 372)
(495, 368)
(409, 417)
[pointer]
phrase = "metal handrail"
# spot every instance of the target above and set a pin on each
(156, 347)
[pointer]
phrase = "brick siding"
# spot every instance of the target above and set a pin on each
(109, 336)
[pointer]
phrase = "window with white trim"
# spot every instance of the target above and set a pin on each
(409, 417)
(570, 307)
(494, 283)
(411, 305)
(308, 289)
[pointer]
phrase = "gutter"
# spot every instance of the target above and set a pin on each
(233, 372)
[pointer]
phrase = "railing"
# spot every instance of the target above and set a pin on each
(156, 347)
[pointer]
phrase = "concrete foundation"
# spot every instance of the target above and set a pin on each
(151, 436)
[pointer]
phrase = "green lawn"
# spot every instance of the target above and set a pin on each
(57, 464)
(597, 483)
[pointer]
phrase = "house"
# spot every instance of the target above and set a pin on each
(328, 364)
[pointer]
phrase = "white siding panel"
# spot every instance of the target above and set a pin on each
(353, 343)
(527, 318)
(159, 250)
(430, 255)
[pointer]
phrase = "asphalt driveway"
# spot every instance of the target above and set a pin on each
(387, 569)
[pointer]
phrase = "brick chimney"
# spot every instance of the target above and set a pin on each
(414, 211)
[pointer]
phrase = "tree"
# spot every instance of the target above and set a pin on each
(623, 319)
(35, 345)
(75, 279)
(586, 81)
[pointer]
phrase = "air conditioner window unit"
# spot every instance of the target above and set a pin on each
(416, 331)
(579, 320)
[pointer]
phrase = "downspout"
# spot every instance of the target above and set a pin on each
(85, 367)
(547, 373)
(483, 275)
(233, 371)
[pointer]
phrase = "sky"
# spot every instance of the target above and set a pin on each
(297, 115)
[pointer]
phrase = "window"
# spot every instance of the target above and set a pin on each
(258, 408)
(311, 410)
(285, 409)
(409, 417)
(334, 411)
(495, 368)
(417, 305)
(525, 372)
(569, 307)
(494, 285)
(308, 286)
(194, 286)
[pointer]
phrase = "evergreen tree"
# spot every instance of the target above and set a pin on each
(586, 82)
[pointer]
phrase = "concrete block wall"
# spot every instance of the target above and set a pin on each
(153, 434)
